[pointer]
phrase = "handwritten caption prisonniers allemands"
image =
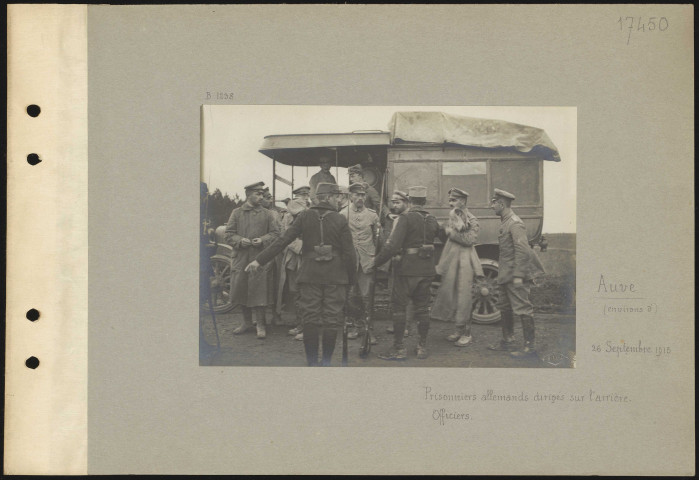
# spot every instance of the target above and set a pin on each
(444, 415)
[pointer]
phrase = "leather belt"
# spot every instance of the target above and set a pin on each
(313, 254)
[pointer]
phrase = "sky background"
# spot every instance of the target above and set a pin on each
(232, 135)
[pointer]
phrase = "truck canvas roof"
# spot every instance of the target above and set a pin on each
(415, 128)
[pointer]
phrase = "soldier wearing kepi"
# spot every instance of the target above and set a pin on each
(364, 225)
(518, 266)
(249, 230)
(413, 238)
(373, 199)
(328, 267)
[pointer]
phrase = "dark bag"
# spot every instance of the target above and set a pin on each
(425, 251)
(324, 253)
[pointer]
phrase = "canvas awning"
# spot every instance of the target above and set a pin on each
(304, 149)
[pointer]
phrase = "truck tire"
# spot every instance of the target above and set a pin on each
(221, 284)
(485, 294)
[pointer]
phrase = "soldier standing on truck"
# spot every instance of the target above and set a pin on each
(328, 267)
(518, 266)
(413, 239)
(364, 225)
(249, 230)
(323, 176)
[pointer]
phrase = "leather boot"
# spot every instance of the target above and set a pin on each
(329, 341)
(421, 348)
(261, 322)
(310, 344)
(507, 343)
(398, 350)
(247, 322)
(528, 333)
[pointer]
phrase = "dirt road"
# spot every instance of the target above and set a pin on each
(555, 346)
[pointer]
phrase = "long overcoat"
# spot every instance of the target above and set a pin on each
(457, 266)
(250, 289)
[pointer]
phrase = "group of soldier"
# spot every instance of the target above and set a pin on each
(324, 248)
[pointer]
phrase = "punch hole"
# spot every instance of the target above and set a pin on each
(33, 159)
(33, 315)
(32, 362)
(33, 110)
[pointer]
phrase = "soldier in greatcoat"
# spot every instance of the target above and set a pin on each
(328, 263)
(518, 266)
(458, 265)
(413, 239)
(249, 230)
(364, 225)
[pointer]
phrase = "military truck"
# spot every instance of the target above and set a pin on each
(441, 151)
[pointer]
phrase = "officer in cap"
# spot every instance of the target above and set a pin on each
(356, 175)
(364, 225)
(413, 238)
(457, 267)
(249, 230)
(303, 193)
(328, 267)
(518, 266)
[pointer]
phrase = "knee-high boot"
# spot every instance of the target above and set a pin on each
(329, 341)
(508, 332)
(398, 350)
(310, 344)
(528, 333)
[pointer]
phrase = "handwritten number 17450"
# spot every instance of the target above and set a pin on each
(636, 23)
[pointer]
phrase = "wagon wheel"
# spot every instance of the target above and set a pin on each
(485, 294)
(221, 283)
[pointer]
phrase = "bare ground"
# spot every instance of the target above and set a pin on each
(555, 346)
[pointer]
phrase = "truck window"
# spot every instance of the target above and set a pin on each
(426, 174)
(520, 177)
(468, 176)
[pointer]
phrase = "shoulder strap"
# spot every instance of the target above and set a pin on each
(320, 219)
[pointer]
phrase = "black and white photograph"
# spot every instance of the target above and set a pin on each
(370, 236)
(476, 220)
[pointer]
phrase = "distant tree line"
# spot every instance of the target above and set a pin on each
(217, 208)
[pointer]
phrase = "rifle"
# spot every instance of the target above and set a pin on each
(365, 348)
